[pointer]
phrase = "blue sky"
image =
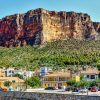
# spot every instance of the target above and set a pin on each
(92, 7)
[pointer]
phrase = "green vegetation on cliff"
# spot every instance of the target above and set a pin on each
(56, 54)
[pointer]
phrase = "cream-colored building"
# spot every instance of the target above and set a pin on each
(56, 79)
(90, 74)
(2, 73)
(16, 83)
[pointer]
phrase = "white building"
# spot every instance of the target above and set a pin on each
(27, 74)
(9, 72)
(45, 70)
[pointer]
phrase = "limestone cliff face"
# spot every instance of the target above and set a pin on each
(62, 25)
(40, 26)
(97, 26)
(21, 29)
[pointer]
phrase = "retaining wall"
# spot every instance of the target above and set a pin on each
(43, 96)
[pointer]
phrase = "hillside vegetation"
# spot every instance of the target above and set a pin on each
(57, 54)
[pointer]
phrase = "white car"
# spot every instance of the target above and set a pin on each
(83, 91)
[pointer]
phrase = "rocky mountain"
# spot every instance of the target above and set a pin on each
(39, 26)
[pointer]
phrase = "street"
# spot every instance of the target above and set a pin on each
(60, 91)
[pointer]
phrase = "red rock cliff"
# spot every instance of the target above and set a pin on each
(40, 26)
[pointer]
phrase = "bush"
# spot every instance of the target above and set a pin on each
(93, 83)
(18, 75)
(83, 83)
(34, 82)
(71, 82)
(7, 83)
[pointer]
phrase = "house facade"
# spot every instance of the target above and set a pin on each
(9, 72)
(90, 74)
(44, 71)
(57, 79)
(27, 74)
(2, 73)
(16, 83)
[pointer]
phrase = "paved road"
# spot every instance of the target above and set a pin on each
(62, 92)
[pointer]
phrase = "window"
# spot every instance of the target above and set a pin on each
(92, 76)
(10, 71)
(87, 76)
(13, 81)
(62, 79)
(13, 72)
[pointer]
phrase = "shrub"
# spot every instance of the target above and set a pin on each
(7, 83)
(34, 82)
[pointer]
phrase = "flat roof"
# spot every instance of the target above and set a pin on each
(11, 79)
(59, 74)
(91, 71)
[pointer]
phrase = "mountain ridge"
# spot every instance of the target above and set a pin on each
(38, 26)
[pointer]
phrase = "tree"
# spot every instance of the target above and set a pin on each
(56, 54)
(18, 75)
(7, 83)
(93, 83)
(98, 66)
(83, 83)
(71, 82)
(34, 82)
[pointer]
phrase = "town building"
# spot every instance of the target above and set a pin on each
(16, 83)
(36, 73)
(9, 72)
(20, 72)
(90, 74)
(2, 73)
(56, 79)
(27, 74)
(44, 71)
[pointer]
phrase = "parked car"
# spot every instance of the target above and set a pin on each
(94, 89)
(0, 88)
(3, 89)
(83, 90)
(67, 89)
(75, 90)
(98, 88)
(50, 88)
(89, 88)
(10, 88)
(59, 87)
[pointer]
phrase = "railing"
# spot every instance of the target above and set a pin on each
(44, 96)
(53, 81)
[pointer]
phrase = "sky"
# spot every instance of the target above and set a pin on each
(92, 7)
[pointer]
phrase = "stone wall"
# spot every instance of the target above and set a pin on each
(43, 96)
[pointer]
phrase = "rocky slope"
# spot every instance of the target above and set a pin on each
(39, 26)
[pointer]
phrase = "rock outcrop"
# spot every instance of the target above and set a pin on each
(40, 26)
